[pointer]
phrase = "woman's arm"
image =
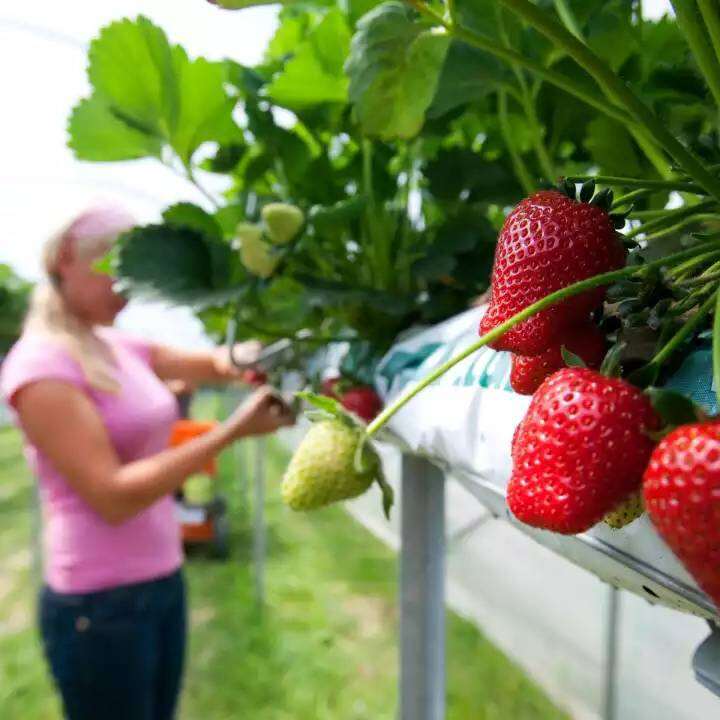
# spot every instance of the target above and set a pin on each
(64, 424)
(203, 366)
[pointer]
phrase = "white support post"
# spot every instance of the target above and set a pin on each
(611, 654)
(259, 530)
(422, 592)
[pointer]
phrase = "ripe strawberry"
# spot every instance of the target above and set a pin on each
(681, 488)
(363, 401)
(329, 387)
(581, 450)
(548, 242)
(254, 376)
(529, 371)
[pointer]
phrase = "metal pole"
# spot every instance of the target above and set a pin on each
(259, 534)
(422, 592)
(611, 654)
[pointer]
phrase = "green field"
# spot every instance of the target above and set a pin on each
(323, 648)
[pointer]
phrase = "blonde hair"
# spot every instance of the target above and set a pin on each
(89, 234)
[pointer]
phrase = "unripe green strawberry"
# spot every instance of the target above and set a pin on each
(333, 462)
(255, 253)
(322, 471)
(625, 513)
(282, 222)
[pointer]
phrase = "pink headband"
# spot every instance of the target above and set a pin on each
(102, 221)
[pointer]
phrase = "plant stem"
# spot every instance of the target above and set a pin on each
(711, 14)
(704, 279)
(537, 133)
(613, 181)
(190, 174)
(511, 56)
(518, 163)
(681, 268)
(672, 217)
(685, 331)
(617, 90)
(546, 302)
(628, 198)
(716, 349)
(672, 229)
(689, 21)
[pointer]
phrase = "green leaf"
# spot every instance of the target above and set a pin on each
(96, 134)
(468, 75)
(193, 217)
(394, 67)
(612, 147)
(571, 359)
(131, 71)
(315, 74)
(322, 402)
(674, 408)
(242, 4)
(172, 263)
(205, 109)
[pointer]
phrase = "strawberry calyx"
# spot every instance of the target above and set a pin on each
(602, 198)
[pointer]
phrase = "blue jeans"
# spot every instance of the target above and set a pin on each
(117, 654)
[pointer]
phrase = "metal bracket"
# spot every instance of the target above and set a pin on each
(706, 661)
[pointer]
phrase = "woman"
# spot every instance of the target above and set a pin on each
(96, 414)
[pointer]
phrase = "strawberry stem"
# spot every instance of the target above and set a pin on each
(617, 90)
(641, 183)
(685, 331)
(691, 25)
(549, 300)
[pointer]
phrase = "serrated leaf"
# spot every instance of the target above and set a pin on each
(315, 75)
(172, 263)
(394, 67)
(205, 108)
(468, 75)
(193, 217)
(131, 71)
(97, 134)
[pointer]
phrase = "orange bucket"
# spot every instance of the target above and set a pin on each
(185, 430)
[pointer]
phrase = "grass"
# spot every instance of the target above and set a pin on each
(323, 647)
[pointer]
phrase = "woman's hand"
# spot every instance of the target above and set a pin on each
(246, 355)
(264, 412)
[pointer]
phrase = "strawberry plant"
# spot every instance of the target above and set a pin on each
(379, 152)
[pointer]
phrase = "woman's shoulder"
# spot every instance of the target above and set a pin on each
(37, 356)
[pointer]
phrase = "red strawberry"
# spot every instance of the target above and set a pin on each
(529, 371)
(363, 401)
(681, 489)
(581, 450)
(329, 387)
(254, 376)
(548, 242)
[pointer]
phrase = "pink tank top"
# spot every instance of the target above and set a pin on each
(83, 553)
